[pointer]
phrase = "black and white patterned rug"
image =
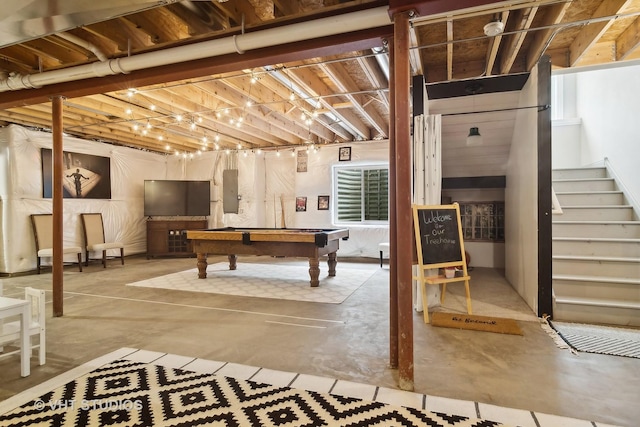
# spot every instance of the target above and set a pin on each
(126, 393)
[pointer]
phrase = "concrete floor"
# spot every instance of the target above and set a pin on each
(346, 341)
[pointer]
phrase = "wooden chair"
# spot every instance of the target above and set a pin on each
(10, 331)
(43, 233)
(93, 229)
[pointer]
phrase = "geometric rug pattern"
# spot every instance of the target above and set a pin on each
(600, 339)
(279, 281)
(129, 393)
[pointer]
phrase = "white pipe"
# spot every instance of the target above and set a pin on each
(85, 44)
(339, 24)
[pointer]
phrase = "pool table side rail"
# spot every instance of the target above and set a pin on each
(285, 235)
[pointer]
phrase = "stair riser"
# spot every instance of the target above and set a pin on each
(629, 231)
(595, 214)
(595, 248)
(579, 173)
(598, 290)
(590, 199)
(596, 315)
(626, 270)
(585, 185)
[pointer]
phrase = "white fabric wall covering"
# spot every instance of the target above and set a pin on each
(262, 177)
(21, 174)
(279, 175)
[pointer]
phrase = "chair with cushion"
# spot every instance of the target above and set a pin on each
(43, 233)
(94, 240)
(10, 331)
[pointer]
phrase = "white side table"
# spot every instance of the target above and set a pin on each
(10, 307)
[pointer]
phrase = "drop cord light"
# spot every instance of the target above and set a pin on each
(474, 137)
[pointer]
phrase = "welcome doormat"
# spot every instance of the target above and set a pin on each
(279, 281)
(134, 394)
(615, 341)
(498, 325)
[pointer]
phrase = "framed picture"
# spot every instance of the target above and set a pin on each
(85, 176)
(301, 204)
(344, 154)
(323, 203)
(302, 161)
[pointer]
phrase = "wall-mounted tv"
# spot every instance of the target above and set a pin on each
(177, 198)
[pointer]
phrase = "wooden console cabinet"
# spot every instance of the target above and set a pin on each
(169, 237)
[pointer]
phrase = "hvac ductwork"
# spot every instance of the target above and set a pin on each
(339, 24)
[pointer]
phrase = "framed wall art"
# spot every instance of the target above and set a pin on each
(301, 204)
(85, 176)
(344, 155)
(323, 203)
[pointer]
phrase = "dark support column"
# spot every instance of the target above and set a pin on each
(545, 289)
(393, 259)
(404, 220)
(58, 267)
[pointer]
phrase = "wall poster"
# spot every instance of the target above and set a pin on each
(85, 176)
(303, 158)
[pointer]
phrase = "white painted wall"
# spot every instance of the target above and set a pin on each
(606, 104)
(521, 205)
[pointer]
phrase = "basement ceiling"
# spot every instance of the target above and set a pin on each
(296, 89)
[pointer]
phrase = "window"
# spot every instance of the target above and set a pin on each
(482, 221)
(361, 194)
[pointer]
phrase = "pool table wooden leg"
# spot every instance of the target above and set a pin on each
(232, 262)
(202, 265)
(314, 272)
(331, 262)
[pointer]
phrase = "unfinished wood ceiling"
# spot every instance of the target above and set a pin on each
(308, 78)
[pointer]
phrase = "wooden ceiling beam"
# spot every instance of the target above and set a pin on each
(116, 134)
(524, 18)
(309, 82)
(350, 42)
(191, 15)
(449, 49)
(173, 99)
(159, 24)
(344, 82)
(591, 33)
(542, 38)
(275, 126)
(628, 41)
(289, 123)
(494, 46)
(376, 78)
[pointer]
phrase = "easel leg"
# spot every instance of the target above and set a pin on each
(425, 303)
(466, 286)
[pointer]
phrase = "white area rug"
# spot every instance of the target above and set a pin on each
(265, 281)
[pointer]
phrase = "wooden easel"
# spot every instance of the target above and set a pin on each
(439, 244)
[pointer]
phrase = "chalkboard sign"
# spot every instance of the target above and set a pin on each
(438, 234)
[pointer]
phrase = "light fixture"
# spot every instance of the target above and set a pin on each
(494, 27)
(474, 137)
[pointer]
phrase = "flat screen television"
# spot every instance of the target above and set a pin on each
(177, 198)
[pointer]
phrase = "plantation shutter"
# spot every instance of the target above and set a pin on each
(349, 203)
(376, 187)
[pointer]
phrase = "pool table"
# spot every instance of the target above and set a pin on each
(286, 242)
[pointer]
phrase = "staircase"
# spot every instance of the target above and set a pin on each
(596, 250)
